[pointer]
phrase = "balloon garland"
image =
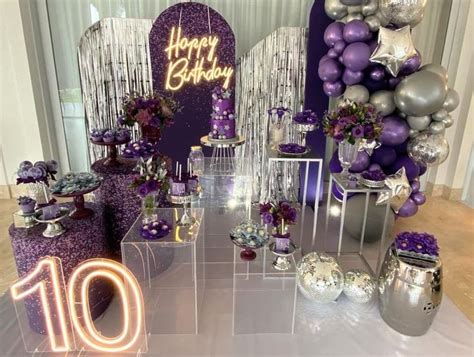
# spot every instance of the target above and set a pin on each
(372, 59)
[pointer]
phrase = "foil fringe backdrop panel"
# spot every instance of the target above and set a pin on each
(114, 60)
(272, 74)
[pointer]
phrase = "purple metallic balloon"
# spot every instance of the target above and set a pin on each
(361, 163)
(356, 31)
(333, 33)
(334, 89)
(415, 186)
(332, 53)
(408, 209)
(373, 45)
(395, 130)
(356, 56)
(324, 58)
(393, 82)
(384, 156)
(402, 148)
(329, 70)
(350, 78)
(374, 167)
(419, 198)
(423, 168)
(339, 46)
(411, 65)
(411, 168)
(374, 86)
(335, 164)
(377, 73)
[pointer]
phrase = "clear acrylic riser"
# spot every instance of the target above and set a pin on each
(170, 272)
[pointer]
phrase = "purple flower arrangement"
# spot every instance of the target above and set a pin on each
(352, 121)
(27, 204)
(155, 229)
(40, 171)
(375, 175)
(140, 149)
(153, 177)
(306, 117)
(278, 213)
(291, 148)
(279, 111)
(417, 243)
(152, 109)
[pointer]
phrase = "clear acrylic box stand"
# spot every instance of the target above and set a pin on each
(342, 183)
(169, 271)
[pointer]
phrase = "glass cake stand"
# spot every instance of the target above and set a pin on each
(80, 211)
(111, 159)
(223, 155)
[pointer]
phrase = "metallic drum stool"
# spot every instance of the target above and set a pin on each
(410, 291)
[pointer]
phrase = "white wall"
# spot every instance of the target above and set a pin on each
(19, 130)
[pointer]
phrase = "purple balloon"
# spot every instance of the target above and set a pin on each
(384, 155)
(408, 209)
(356, 31)
(337, 193)
(339, 46)
(332, 53)
(333, 33)
(411, 168)
(374, 86)
(419, 198)
(329, 70)
(415, 186)
(377, 73)
(341, 60)
(423, 169)
(393, 82)
(395, 130)
(374, 167)
(402, 148)
(350, 78)
(373, 45)
(334, 89)
(411, 65)
(356, 56)
(335, 164)
(361, 163)
(324, 58)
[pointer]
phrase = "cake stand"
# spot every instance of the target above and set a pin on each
(281, 262)
(54, 227)
(223, 155)
(111, 159)
(303, 129)
(80, 211)
(186, 220)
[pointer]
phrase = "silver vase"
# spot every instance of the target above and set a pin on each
(410, 292)
(347, 154)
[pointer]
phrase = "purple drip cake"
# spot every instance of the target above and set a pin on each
(223, 116)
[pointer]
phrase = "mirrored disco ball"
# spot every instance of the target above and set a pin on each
(359, 286)
(320, 278)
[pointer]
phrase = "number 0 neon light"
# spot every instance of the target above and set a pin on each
(78, 304)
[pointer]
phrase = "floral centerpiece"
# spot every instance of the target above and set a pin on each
(306, 117)
(27, 204)
(421, 245)
(153, 112)
(280, 215)
(277, 114)
(155, 229)
(140, 149)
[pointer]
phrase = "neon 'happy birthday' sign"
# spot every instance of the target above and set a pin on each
(193, 60)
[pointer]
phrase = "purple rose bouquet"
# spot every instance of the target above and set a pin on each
(140, 149)
(152, 109)
(374, 175)
(292, 148)
(352, 121)
(306, 117)
(153, 177)
(277, 213)
(417, 243)
(40, 171)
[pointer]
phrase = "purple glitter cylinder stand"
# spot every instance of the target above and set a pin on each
(84, 239)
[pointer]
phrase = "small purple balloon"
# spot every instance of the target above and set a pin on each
(402, 148)
(411, 168)
(356, 56)
(423, 168)
(350, 78)
(395, 130)
(419, 198)
(335, 164)
(408, 209)
(377, 73)
(374, 86)
(337, 193)
(411, 65)
(333, 33)
(356, 31)
(332, 53)
(334, 89)
(329, 70)
(361, 163)
(384, 156)
(374, 167)
(339, 46)
(324, 58)
(393, 82)
(415, 186)
(373, 45)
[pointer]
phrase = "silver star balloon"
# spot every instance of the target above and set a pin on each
(400, 190)
(394, 48)
(368, 146)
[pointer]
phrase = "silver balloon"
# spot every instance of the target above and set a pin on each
(402, 12)
(382, 100)
(373, 22)
(452, 100)
(352, 2)
(384, 21)
(353, 16)
(402, 115)
(440, 115)
(400, 190)
(412, 133)
(419, 123)
(420, 93)
(357, 93)
(319, 277)
(394, 49)
(335, 9)
(428, 149)
(359, 286)
(370, 7)
(437, 127)
(448, 121)
(436, 68)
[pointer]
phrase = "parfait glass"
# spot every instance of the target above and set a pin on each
(347, 154)
(148, 207)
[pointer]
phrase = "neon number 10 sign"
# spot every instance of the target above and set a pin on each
(72, 317)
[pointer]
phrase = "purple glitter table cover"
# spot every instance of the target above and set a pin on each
(84, 239)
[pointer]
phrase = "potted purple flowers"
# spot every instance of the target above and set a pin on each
(417, 244)
(280, 215)
(27, 204)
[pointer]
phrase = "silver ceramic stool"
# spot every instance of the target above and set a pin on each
(410, 292)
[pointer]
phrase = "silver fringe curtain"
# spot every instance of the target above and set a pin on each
(114, 60)
(272, 74)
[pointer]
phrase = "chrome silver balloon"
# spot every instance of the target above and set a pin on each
(452, 100)
(437, 127)
(357, 93)
(353, 16)
(419, 123)
(382, 100)
(436, 68)
(448, 121)
(440, 115)
(373, 22)
(359, 286)
(428, 149)
(335, 9)
(403, 12)
(370, 7)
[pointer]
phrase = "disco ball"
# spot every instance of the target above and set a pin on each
(320, 278)
(359, 286)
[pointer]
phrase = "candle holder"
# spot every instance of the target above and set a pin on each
(282, 262)
(111, 159)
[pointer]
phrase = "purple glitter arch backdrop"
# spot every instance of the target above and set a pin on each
(193, 121)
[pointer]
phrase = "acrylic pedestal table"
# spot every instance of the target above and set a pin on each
(84, 239)
(122, 204)
(169, 271)
(223, 155)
